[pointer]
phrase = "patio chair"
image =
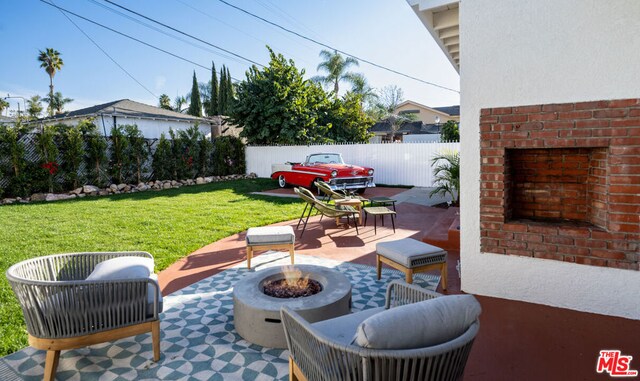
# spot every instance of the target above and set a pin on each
(324, 209)
(330, 194)
(418, 335)
(68, 305)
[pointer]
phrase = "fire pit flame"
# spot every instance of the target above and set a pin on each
(294, 285)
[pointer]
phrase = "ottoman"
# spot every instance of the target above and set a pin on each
(269, 238)
(411, 256)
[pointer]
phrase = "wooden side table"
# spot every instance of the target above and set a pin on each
(353, 202)
(379, 211)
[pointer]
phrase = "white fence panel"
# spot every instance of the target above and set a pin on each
(394, 163)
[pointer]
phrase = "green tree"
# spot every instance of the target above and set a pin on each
(3, 105)
(34, 107)
(119, 160)
(58, 102)
(72, 152)
(446, 169)
(223, 97)
(164, 102)
(13, 168)
(336, 67)
(450, 131)
(230, 91)
(213, 108)
(204, 156)
(361, 87)
(162, 163)
(348, 121)
(228, 156)
(138, 151)
(48, 152)
(178, 103)
(187, 152)
(276, 105)
(51, 62)
(96, 153)
(195, 107)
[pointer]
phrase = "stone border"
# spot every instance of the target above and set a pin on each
(93, 191)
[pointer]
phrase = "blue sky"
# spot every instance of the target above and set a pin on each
(383, 31)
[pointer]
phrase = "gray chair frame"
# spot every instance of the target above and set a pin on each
(64, 311)
(314, 356)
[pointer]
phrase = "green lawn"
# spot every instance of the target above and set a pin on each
(169, 224)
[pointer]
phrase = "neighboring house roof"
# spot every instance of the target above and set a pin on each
(437, 110)
(408, 128)
(451, 110)
(126, 108)
(7, 119)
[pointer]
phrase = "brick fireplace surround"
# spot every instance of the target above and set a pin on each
(562, 182)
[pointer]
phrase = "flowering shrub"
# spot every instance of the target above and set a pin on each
(51, 167)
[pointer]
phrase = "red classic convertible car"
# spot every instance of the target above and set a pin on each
(328, 167)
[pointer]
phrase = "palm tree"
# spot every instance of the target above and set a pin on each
(361, 87)
(446, 170)
(3, 105)
(178, 103)
(57, 102)
(51, 62)
(336, 67)
(165, 102)
(34, 107)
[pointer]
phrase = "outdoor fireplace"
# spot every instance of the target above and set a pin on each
(562, 182)
(257, 315)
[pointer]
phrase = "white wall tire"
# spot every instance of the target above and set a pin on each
(282, 182)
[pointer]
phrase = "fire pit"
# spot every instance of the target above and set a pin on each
(326, 295)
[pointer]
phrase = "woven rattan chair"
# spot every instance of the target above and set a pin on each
(315, 355)
(64, 311)
(325, 209)
(330, 194)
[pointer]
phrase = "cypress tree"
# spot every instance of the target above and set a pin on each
(214, 109)
(229, 90)
(222, 94)
(195, 107)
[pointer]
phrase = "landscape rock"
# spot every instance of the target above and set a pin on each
(113, 187)
(9, 201)
(121, 186)
(38, 197)
(76, 191)
(166, 186)
(90, 189)
(200, 180)
(58, 197)
(103, 192)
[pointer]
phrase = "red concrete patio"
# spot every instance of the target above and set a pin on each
(517, 340)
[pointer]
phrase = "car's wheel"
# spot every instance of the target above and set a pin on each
(282, 182)
(314, 187)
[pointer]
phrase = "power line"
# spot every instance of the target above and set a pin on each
(332, 48)
(130, 37)
(105, 53)
(184, 33)
(159, 30)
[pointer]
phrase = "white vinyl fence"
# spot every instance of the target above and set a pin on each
(394, 163)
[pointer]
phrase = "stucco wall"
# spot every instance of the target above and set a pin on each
(546, 51)
(150, 128)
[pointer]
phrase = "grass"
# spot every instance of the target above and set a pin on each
(168, 224)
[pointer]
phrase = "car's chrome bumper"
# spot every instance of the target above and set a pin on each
(351, 183)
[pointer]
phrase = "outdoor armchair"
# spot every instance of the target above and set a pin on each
(330, 194)
(324, 209)
(330, 350)
(63, 310)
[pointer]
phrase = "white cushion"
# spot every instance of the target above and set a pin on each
(270, 235)
(419, 325)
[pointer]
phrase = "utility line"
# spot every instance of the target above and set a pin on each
(130, 37)
(332, 48)
(159, 30)
(184, 33)
(106, 54)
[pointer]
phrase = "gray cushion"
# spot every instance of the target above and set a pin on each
(410, 252)
(127, 268)
(270, 235)
(419, 325)
(342, 328)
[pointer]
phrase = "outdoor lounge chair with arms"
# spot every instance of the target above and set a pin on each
(418, 335)
(330, 194)
(324, 209)
(74, 300)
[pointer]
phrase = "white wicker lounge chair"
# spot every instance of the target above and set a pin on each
(63, 310)
(324, 351)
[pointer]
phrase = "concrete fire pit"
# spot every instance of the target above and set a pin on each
(257, 316)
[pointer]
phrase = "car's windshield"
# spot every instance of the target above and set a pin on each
(325, 158)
